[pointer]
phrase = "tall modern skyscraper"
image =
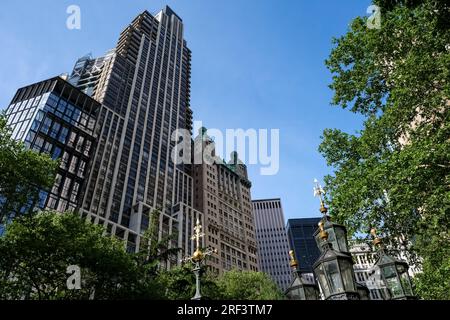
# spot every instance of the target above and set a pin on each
(273, 246)
(144, 87)
(301, 239)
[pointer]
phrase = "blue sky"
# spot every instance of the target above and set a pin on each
(256, 64)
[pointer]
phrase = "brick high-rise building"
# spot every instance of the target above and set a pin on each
(222, 193)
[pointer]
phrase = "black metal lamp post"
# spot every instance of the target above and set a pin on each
(393, 273)
(299, 288)
(197, 258)
(334, 270)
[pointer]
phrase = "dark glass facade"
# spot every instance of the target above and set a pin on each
(56, 118)
(301, 239)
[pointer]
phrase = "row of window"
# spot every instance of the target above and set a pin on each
(266, 205)
(46, 126)
(69, 112)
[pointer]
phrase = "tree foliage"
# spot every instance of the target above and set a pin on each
(395, 173)
(179, 284)
(23, 174)
(248, 285)
(154, 253)
(36, 252)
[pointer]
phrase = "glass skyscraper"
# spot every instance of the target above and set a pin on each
(301, 239)
(54, 117)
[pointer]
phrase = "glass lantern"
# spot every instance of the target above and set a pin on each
(300, 289)
(393, 274)
(334, 271)
(337, 236)
(395, 278)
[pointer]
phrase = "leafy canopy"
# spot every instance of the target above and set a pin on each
(248, 285)
(395, 173)
(36, 252)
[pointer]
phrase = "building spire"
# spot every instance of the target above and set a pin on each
(319, 192)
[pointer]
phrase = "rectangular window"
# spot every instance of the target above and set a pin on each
(66, 187)
(56, 153)
(38, 144)
(80, 141)
(84, 119)
(55, 130)
(81, 169)
(63, 135)
(76, 115)
(62, 205)
(65, 160)
(73, 196)
(57, 183)
(46, 125)
(47, 147)
(52, 101)
(73, 164)
(87, 147)
(51, 202)
(72, 139)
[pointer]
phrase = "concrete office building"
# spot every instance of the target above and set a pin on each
(273, 245)
(222, 193)
(301, 239)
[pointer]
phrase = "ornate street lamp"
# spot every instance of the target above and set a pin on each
(337, 234)
(299, 288)
(334, 270)
(393, 273)
(197, 258)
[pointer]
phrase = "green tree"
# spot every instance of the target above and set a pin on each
(36, 252)
(23, 174)
(248, 285)
(179, 284)
(395, 173)
(154, 252)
